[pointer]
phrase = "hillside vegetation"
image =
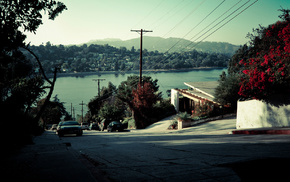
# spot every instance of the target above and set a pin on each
(94, 57)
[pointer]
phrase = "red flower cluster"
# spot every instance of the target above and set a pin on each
(270, 67)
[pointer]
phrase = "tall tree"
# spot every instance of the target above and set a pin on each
(134, 96)
(23, 87)
(143, 99)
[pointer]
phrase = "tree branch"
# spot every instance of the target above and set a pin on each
(36, 119)
(39, 64)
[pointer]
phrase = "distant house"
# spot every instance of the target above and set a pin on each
(186, 100)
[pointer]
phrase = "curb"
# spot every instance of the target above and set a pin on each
(259, 131)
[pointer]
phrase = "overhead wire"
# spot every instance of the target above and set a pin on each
(186, 5)
(197, 24)
(168, 12)
(225, 22)
(215, 26)
(216, 19)
(215, 30)
(188, 15)
(148, 14)
(192, 28)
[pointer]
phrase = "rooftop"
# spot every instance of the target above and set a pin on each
(207, 88)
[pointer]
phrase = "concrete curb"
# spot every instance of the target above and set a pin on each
(259, 131)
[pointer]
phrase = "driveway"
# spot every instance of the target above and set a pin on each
(201, 153)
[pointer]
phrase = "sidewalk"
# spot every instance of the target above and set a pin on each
(47, 160)
(210, 126)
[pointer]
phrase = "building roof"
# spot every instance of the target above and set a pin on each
(204, 88)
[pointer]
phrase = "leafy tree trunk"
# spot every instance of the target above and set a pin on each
(139, 119)
(37, 118)
(51, 87)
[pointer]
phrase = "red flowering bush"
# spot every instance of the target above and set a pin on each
(266, 72)
(144, 97)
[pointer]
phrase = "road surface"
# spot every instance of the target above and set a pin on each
(201, 153)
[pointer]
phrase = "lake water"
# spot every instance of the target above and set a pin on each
(74, 90)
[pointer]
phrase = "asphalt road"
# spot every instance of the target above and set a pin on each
(201, 153)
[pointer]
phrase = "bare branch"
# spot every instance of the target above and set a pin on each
(39, 64)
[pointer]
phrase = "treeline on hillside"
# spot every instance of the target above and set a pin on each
(108, 58)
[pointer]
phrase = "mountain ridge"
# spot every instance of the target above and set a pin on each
(171, 44)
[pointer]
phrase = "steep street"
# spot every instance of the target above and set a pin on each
(202, 153)
(205, 152)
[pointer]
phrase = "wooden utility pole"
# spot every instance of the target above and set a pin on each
(98, 80)
(141, 42)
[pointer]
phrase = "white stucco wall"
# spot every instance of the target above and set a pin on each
(175, 99)
(259, 114)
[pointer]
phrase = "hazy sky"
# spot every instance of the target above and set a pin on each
(87, 20)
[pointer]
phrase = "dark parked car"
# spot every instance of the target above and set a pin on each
(114, 126)
(69, 127)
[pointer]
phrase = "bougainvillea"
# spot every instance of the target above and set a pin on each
(267, 72)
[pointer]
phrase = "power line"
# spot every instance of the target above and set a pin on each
(224, 23)
(169, 11)
(197, 24)
(218, 27)
(148, 14)
(178, 10)
(216, 19)
(183, 18)
(190, 13)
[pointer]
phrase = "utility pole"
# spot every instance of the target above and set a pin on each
(141, 42)
(82, 111)
(98, 84)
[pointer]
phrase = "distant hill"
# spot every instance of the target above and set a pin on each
(163, 45)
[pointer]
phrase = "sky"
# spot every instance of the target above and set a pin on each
(195, 20)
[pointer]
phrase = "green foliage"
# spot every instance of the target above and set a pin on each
(227, 90)
(111, 112)
(130, 122)
(26, 15)
(139, 99)
(53, 112)
(266, 69)
(21, 86)
(126, 87)
(233, 66)
(254, 59)
(183, 116)
(108, 58)
(160, 110)
(112, 104)
(96, 104)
